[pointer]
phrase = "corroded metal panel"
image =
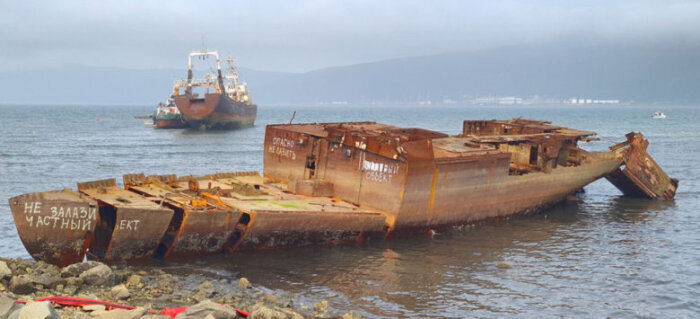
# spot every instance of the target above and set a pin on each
(286, 153)
(131, 226)
(341, 165)
(282, 228)
(641, 175)
(136, 233)
(204, 232)
(420, 179)
(55, 226)
(382, 181)
(194, 229)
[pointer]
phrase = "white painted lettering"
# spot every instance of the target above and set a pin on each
(28, 207)
(129, 224)
(283, 147)
(379, 172)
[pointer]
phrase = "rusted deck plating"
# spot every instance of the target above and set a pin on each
(330, 183)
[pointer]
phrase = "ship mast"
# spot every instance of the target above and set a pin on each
(203, 55)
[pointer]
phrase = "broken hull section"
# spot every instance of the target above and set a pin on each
(131, 226)
(55, 227)
(193, 230)
(641, 176)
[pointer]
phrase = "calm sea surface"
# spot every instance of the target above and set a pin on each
(601, 256)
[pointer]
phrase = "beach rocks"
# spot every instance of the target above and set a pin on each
(119, 314)
(22, 285)
(321, 306)
(352, 314)
(7, 305)
(120, 292)
(206, 308)
(134, 281)
(38, 310)
(46, 280)
(75, 270)
(100, 275)
(261, 311)
(90, 308)
(5, 271)
(206, 295)
(243, 283)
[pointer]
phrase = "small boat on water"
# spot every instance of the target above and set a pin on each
(658, 115)
(168, 116)
(228, 107)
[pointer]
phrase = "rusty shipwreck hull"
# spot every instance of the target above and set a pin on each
(215, 111)
(56, 226)
(641, 175)
(274, 218)
(130, 227)
(198, 226)
(333, 183)
(427, 180)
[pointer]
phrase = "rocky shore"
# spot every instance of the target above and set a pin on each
(149, 291)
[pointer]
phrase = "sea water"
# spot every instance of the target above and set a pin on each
(601, 256)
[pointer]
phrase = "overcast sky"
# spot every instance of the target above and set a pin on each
(299, 36)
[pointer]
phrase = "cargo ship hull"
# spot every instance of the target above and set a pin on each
(169, 123)
(216, 111)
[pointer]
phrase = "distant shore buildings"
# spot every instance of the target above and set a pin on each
(484, 100)
(574, 100)
(535, 99)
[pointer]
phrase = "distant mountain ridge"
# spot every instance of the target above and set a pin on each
(654, 72)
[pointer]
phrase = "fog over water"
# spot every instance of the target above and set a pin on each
(299, 36)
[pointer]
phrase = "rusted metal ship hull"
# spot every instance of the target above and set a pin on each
(273, 218)
(194, 229)
(56, 226)
(216, 111)
(130, 228)
(335, 183)
(428, 187)
(170, 123)
(641, 176)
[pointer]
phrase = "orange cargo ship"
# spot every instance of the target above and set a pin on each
(228, 107)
